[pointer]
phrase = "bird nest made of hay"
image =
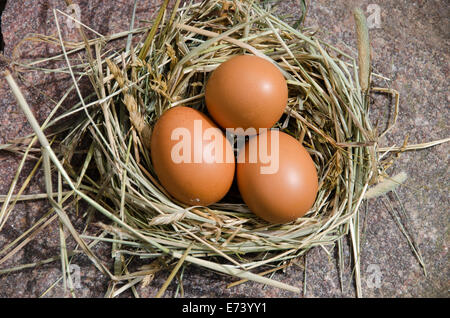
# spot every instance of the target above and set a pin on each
(100, 145)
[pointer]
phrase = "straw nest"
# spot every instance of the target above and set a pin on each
(101, 145)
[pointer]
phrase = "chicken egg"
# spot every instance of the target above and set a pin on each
(276, 177)
(191, 157)
(246, 91)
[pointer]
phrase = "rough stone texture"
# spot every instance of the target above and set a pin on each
(410, 47)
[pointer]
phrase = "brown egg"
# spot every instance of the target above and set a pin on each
(246, 91)
(278, 181)
(191, 157)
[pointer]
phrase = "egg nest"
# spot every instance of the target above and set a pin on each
(104, 147)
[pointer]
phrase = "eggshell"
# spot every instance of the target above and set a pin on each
(290, 190)
(187, 161)
(246, 91)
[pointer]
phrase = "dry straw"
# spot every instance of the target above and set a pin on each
(109, 129)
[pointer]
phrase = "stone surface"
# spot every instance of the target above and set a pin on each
(409, 46)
